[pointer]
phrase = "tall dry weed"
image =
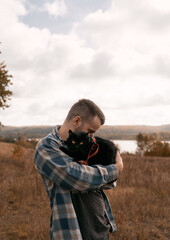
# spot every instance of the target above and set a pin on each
(140, 202)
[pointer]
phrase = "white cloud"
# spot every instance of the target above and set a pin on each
(118, 58)
(130, 32)
(163, 6)
(99, 68)
(11, 9)
(57, 8)
(36, 58)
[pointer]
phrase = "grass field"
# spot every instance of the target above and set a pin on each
(140, 203)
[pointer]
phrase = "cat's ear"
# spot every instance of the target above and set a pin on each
(70, 132)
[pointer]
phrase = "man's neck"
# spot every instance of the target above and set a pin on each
(63, 132)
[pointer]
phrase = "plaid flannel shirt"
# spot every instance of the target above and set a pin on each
(62, 175)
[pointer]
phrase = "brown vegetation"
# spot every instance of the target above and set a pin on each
(149, 145)
(140, 202)
(25, 213)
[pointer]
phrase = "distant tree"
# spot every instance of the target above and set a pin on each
(160, 149)
(5, 82)
(144, 143)
(149, 145)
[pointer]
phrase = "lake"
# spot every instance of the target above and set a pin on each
(127, 145)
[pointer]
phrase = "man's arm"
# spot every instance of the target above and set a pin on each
(119, 162)
(64, 171)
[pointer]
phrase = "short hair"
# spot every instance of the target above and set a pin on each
(86, 109)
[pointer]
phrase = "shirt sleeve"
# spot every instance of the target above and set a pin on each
(109, 186)
(61, 169)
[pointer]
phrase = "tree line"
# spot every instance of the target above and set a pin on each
(151, 145)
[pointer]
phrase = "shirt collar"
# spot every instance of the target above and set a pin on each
(56, 134)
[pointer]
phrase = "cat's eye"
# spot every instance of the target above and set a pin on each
(81, 143)
(73, 142)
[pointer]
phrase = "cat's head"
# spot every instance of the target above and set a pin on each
(77, 140)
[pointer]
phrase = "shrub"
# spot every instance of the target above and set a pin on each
(149, 145)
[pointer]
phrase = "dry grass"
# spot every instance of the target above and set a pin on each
(25, 213)
(140, 202)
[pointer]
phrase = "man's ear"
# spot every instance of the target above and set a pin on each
(77, 121)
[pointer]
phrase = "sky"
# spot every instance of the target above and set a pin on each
(114, 52)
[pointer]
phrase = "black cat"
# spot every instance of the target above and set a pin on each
(92, 150)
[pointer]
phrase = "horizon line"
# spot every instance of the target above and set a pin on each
(43, 125)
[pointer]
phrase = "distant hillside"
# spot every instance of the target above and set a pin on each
(29, 132)
(126, 132)
(129, 132)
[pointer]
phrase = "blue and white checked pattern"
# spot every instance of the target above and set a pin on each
(61, 175)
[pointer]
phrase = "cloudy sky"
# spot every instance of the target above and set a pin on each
(114, 52)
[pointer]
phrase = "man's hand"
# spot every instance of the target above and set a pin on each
(119, 162)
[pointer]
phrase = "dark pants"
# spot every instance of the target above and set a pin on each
(90, 211)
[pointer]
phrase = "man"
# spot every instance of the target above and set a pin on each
(62, 175)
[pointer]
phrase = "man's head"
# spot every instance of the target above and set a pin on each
(84, 116)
